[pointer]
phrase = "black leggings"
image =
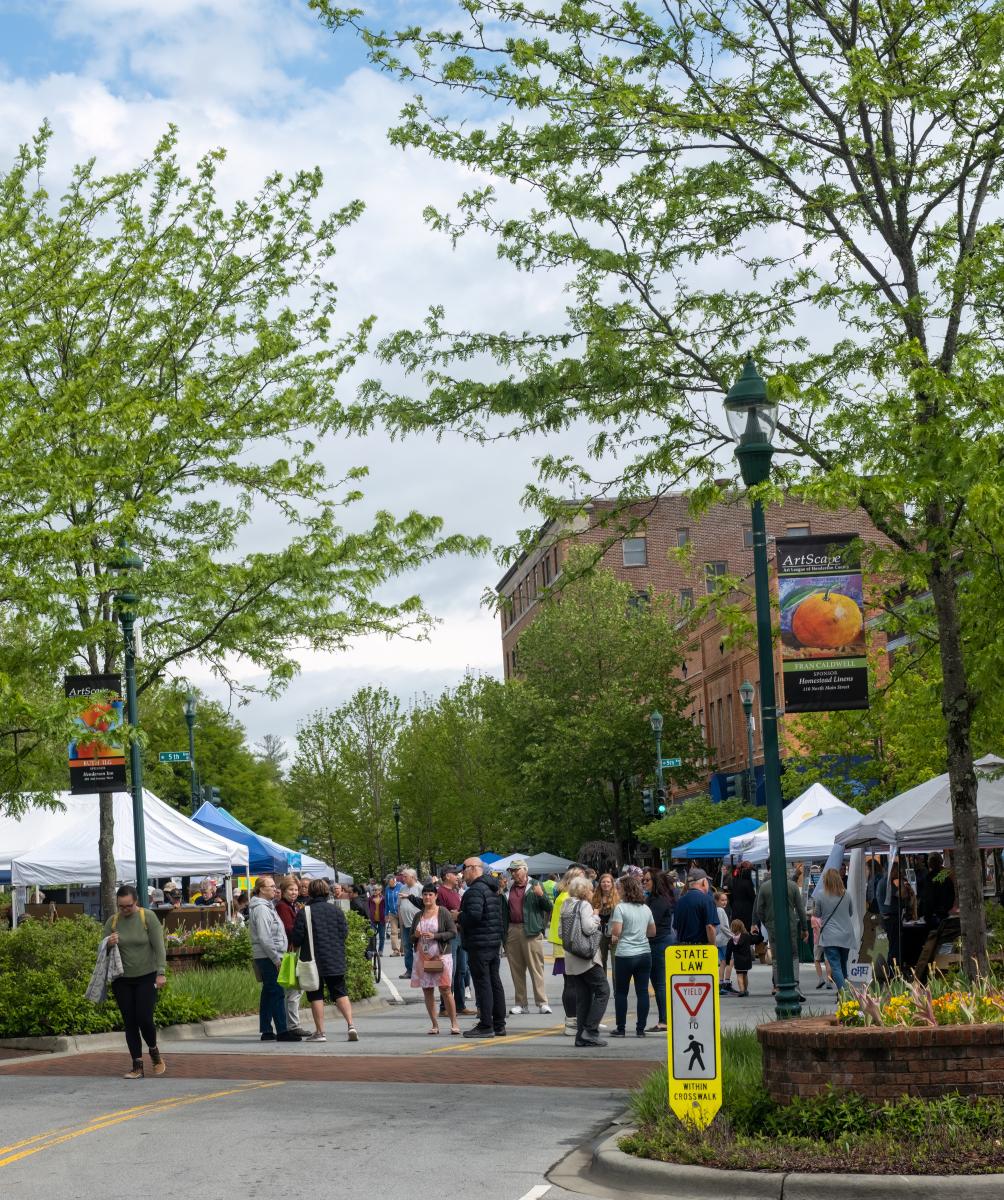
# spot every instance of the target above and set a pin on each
(136, 996)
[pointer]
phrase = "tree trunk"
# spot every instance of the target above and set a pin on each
(334, 857)
(615, 818)
(106, 853)
(957, 705)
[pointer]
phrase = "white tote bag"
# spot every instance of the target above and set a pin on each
(306, 972)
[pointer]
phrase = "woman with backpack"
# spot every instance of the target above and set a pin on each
(580, 927)
(140, 939)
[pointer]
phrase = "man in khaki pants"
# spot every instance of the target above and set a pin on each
(529, 909)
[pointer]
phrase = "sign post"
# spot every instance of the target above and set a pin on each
(694, 1035)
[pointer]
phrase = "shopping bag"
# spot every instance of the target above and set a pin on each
(287, 970)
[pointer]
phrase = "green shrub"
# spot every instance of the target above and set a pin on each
(176, 1007)
(358, 972)
(223, 945)
(231, 991)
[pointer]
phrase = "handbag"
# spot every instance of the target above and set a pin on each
(432, 964)
(580, 943)
(306, 972)
(287, 970)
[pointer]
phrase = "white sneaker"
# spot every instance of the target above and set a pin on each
(544, 1008)
(317, 1037)
(571, 1026)
(516, 1011)
(352, 1035)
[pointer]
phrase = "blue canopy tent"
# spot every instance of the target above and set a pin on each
(488, 857)
(716, 843)
(265, 854)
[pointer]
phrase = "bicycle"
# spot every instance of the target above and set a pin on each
(373, 955)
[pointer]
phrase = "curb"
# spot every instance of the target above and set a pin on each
(617, 1169)
(218, 1027)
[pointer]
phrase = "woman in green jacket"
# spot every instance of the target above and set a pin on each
(140, 939)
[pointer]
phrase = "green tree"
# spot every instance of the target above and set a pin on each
(340, 776)
(692, 818)
(452, 781)
(595, 663)
(814, 183)
(165, 369)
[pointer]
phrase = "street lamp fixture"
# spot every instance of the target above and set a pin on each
(655, 720)
(752, 418)
(746, 693)
(190, 706)
(127, 565)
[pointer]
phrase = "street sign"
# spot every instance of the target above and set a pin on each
(672, 762)
(173, 756)
(694, 1034)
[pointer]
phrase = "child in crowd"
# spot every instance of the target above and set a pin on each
(739, 954)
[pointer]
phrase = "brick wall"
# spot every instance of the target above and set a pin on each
(804, 1058)
(713, 672)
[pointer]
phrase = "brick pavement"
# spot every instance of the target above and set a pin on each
(610, 1074)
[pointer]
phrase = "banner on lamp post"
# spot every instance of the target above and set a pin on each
(824, 663)
(96, 753)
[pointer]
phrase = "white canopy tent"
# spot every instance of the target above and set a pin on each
(920, 818)
(321, 870)
(175, 845)
(20, 834)
(809, 804)
(810, 839)
(537, 864)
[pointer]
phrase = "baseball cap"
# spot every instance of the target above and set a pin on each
(453, 869)
(517, 863)
(695, 875)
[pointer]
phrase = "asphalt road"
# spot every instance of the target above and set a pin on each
(394, 1115)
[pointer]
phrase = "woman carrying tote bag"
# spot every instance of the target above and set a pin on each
(319, 933)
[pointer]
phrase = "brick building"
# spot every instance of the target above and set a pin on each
(718, 543)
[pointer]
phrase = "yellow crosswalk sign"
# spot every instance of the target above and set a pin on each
(694, 1033)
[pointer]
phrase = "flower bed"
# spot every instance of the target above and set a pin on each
(881, 1062)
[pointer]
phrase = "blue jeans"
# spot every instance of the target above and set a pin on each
(459, 972)
(380, 929)
(627, 967)
(837, 957)
(659, 973)
(407, 947)
(272, 1002)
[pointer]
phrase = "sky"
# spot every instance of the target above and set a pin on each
(265, 80)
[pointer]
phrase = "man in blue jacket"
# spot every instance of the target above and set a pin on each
(391, 891)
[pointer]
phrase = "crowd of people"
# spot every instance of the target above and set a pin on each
(453, 931)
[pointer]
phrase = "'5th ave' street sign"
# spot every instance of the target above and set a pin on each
(672, 762)
(173, 756)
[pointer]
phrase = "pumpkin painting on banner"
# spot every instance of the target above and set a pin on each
(823, 653)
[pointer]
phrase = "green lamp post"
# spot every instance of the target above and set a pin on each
(127, 563)
(190, 707)
(746, 694)
(752, 418)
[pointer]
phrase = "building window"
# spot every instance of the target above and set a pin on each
(557, 566)
(514, 660)
(545, 567)
(635, 552)
(683, 537)
(713, 571)
(639, 600)
(686, 598)
(747, 537)
(799, 531)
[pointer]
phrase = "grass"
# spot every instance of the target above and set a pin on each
(232, 991)
(834, 1132)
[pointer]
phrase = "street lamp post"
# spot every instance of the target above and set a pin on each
(655, 720)
(125, 604)
(752, 418)
(190, 707)
(746, 698)
(397, 831)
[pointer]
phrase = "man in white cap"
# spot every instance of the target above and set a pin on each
(529, 910)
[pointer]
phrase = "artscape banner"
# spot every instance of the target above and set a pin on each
(97, 754)
(823, 654)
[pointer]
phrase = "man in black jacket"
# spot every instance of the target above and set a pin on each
(482, 930)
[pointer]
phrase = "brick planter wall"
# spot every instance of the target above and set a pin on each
(803, 1058)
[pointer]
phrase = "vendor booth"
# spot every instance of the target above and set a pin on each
(264, 855)
(809, 804)
(715, 844)
(536, 864)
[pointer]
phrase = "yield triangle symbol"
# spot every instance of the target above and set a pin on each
(692, 995)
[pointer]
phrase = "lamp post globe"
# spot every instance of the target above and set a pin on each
(752, 419)
(127, 564)
(655, 720)
(746, 694)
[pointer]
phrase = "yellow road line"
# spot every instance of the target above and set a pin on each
(488, 1043)
(96, 1124)
(136, 1108)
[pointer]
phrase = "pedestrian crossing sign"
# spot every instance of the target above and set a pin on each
(694, 1033)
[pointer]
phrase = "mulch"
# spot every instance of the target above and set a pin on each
(615, 1074)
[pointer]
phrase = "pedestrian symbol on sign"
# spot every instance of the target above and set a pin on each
(696, 1053)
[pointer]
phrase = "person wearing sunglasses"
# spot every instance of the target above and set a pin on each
(140, 939)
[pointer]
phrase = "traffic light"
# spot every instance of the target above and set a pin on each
(735, 785)
(660, 802)
(646, 802)
(211, 795)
